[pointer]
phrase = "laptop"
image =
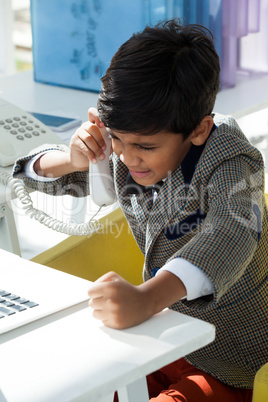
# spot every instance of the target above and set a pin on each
(30, 291)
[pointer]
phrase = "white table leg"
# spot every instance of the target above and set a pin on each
(136, 391)
(8, 231)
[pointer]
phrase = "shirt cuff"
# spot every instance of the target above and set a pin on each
(197, 284)
(29, 169)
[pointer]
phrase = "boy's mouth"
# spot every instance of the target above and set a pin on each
(139, 174)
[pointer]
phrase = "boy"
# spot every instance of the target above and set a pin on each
(191, 187)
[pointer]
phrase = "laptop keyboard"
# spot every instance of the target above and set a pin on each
(11, 304)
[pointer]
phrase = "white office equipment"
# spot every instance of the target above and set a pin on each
(50, 290)
(77, 358)
(101, 184)
(20, 132)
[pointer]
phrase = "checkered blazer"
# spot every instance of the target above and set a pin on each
(218, 222)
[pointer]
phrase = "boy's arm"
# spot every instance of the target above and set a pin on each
(119, 304)
(196, 283)
(87, 144)
(53, 164)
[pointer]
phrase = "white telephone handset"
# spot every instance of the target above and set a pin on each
(101, 185)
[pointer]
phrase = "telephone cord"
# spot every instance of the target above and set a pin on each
(75, 229)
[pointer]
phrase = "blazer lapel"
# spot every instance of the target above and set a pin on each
(170, 201)
(141, 206)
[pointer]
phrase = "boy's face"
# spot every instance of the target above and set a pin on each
(150, 158)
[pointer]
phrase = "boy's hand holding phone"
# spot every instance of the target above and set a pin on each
(87, 144)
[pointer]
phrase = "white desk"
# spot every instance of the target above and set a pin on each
(76, 358)
(21, 90)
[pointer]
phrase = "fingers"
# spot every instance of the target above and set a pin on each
(104, 305)
(93, 117)
(100, 288)
(108, 277)
(98, 306)
(100, 299)
(90, 141)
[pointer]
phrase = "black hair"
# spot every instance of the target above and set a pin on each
(164, 78)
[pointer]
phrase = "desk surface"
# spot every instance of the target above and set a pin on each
(29, 95)
(77, 358)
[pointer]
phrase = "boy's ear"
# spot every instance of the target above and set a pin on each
(202, 131)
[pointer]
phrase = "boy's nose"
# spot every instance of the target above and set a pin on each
(129, 159)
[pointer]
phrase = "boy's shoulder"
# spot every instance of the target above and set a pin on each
(228, 130)
(226, 122)
(228, 141)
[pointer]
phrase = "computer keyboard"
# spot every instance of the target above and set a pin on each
(11, 304)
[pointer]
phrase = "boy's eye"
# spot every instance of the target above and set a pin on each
(145, 148)
(139, 146)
